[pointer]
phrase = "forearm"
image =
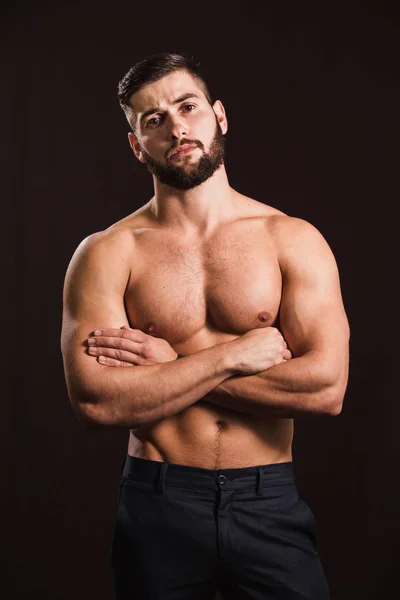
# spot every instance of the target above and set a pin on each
(129, 398)
(284, 390)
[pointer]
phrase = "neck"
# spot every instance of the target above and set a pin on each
(195, 211)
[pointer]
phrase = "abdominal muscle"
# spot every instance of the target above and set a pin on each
(214, 437)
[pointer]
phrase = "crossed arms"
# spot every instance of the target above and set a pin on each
(312, 321)
(315, 327)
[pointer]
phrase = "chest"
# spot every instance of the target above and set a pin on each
(230, 286)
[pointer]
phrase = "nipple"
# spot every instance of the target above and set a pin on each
(264, 316)
(150, 327)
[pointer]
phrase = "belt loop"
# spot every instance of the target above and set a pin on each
(260, 486)
(161, 479)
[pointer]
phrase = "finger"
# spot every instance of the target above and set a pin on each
(115, 342)
(116, 354)
(287, 355)
(136, 335)
(112, 362)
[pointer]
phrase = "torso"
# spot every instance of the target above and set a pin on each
(196, 294)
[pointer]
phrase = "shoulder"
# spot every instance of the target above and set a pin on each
(281, 224)
(298, 241)
(110, 241)
(249, 207)
(102, 255)
(287, 230)
(120, 236)
(289, 234)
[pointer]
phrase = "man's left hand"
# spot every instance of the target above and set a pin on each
(126, 347)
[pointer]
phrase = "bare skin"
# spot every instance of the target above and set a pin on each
(181, 291)
(211, 274)
(201, 268)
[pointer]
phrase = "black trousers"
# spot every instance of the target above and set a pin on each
(183, 532)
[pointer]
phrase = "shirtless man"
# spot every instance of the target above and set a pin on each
(250, 298)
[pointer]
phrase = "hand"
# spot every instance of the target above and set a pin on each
(126, 347)
(258, 350)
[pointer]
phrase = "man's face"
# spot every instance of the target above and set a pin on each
(172, 114)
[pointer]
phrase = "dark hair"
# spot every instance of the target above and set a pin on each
(152, 69)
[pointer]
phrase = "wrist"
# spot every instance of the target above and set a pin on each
(231, 358)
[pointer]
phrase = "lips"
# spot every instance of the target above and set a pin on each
(183, 150)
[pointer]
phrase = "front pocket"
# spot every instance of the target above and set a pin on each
(140, 485)
(309, 515)
(279, 495)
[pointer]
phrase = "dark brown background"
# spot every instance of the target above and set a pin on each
(312, 97)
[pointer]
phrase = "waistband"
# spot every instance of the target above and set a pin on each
(163, 474)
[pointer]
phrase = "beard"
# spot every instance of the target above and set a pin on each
(187, 176)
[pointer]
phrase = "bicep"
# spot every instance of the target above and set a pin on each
(93, 298)
(312, 315)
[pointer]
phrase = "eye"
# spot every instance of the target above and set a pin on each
(189, 106)
(154, 121)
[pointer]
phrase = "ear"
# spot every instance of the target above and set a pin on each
(136, 148)
(219, 110)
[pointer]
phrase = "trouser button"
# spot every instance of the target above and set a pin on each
(221, 479)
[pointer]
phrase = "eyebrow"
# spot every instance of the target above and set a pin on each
(150, 111)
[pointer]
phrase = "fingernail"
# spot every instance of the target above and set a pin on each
(98, 332)
(91, 341)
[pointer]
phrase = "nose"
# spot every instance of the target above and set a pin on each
(177, 128)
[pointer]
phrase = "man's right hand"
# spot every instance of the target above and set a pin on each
(258, 350)
(262, 348)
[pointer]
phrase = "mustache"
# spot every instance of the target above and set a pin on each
(184, 143)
